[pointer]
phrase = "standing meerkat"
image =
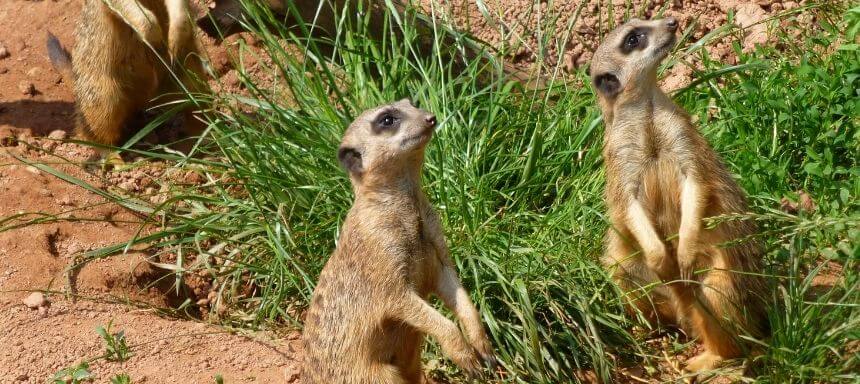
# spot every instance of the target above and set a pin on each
(663, 179)
(368, 315)
(117, 66)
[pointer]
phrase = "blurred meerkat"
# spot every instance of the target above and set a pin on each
(662, 179)
(117, 66)
(368, 314)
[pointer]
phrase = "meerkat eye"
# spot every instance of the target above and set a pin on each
(387, 121)
(632, 40)
(635, 39)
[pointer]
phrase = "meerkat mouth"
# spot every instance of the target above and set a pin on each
(667, 46)
(419, 139)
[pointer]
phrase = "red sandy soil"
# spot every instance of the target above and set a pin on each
(38, 343)
(36, 107)
(518, 26)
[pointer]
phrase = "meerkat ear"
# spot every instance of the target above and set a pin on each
(607, 84)
(350, 159)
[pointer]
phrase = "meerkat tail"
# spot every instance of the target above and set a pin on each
(60, 58)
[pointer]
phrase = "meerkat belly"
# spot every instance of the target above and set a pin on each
(422, 269)
(661, 193)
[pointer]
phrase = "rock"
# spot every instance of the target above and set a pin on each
(4, 52)
(58, 134)
(35, 300)
(291, 374)
(194, 178)
(22, 377)
(806, 202)
(34, 72)
(750, 15)
(27, 88)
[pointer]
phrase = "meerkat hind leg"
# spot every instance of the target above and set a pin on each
(720, 343)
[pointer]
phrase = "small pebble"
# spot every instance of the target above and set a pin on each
(291, 374)
(27, 88)
(4, 52)
(58, 134)
(35, 300)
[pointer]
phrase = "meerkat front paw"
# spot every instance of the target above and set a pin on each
(686, 260)
(484, 349)
(657, 260)
(464, 356)
(469, 362)
(704, 361)
(178, 35)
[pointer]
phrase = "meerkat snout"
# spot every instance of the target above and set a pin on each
(671, 23)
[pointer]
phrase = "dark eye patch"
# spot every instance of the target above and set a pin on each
(387, 121)
(636, 39)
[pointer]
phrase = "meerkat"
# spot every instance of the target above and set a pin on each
(117, 65)
(368, 314)
(662, 180)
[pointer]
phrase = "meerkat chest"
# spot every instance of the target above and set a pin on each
(651, 173)
(424, 263)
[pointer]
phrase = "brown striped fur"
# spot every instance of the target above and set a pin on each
(368, 314)
(662, 179)
(115, 65)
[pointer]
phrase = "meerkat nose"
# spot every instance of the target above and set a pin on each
(672, 23)
(430, 119)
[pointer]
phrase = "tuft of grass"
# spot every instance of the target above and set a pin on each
(73, 375)
(121, 378)
(116, 348)
(516, 176)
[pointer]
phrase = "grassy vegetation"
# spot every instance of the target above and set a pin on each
(516, 176)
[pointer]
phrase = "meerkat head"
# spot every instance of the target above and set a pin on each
(629, 56)
(386, 139)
